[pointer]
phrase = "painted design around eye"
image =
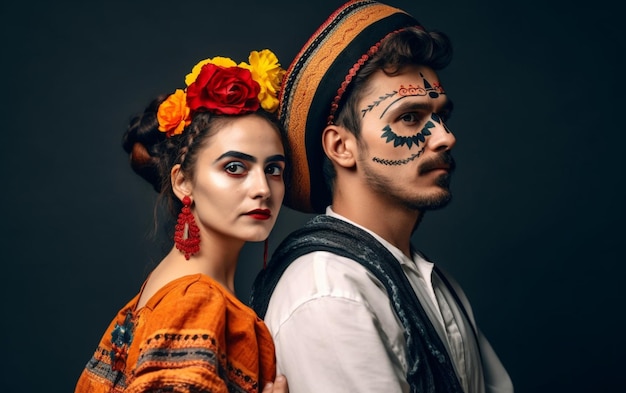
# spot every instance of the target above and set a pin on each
(439, 120)
(407, 140)
(432, 90)
(373, 105)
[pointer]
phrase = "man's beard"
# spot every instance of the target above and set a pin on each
(418, 202)
(433, 202)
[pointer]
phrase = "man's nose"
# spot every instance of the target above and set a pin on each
(441, 138)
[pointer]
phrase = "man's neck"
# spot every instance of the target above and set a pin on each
(393, 223)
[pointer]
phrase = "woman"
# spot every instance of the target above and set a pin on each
(216, 155)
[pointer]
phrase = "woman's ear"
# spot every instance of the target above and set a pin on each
(180, 184)
(339, 145)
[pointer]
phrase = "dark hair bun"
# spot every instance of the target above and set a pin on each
(144, 143)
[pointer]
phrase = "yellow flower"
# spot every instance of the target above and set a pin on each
(217, 60)
(267, 72)
(173, 114)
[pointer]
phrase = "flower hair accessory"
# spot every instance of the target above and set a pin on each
(222, 87)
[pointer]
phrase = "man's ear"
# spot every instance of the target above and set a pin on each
(339, 145)
(180, 184)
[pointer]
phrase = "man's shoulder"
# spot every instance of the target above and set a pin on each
(324, 265)
(323, 258)
(323, 273)
(323, 278)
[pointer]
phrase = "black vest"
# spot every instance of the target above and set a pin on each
(429, 366)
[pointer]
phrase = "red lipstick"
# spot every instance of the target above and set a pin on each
(260, 214)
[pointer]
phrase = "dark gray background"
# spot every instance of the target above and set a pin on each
(534, 233)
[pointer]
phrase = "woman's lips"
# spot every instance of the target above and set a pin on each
(260, 214)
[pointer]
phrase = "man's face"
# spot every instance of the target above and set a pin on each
(404, 146)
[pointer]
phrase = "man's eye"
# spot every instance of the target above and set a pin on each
(409, 117)
(235, 168)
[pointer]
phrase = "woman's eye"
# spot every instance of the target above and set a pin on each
(235, 168)
(274, 170)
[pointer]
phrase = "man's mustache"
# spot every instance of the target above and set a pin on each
(440, 161)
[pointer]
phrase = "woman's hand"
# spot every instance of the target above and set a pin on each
(279, 386)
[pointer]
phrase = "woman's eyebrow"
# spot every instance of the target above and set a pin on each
(249, 158)
(274, 158)
(237, 154)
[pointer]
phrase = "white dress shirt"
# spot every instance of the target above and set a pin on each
(336, 331)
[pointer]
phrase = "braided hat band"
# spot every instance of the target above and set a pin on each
(315, 82)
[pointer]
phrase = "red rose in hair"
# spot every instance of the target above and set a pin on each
(224, 90)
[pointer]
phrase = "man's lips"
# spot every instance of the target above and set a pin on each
(260, 214)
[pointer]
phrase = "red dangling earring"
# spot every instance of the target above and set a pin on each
(187, 233)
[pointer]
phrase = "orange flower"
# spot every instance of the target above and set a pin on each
(219, 85)
(173, 114)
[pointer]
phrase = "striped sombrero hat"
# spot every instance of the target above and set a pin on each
(313, 86)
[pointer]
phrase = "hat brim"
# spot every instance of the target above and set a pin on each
(315, 79)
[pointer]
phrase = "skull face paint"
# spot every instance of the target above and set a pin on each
(403, 148)
(425, 91)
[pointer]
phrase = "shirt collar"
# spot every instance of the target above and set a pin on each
(418, 264)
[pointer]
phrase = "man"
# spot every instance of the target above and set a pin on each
(351, 305)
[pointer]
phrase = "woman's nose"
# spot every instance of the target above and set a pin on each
(260, 187)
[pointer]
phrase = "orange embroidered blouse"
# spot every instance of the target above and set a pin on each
(191, 336)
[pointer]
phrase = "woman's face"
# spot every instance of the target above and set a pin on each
(238, 185)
